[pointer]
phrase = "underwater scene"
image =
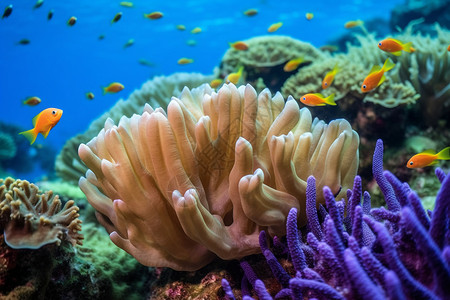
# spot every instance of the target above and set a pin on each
(201, 149)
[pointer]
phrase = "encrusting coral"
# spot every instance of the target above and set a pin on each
(350, 251)
(156, 92)
(176, 189)
(31, 220)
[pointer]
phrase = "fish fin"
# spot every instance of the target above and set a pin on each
(374, 69)
(45, 134)
(105, 90)
(397, 53)
(382, 79)
(388, 64)
(444, 154)
(336, 69)
(318, 95)
(408, 47)
(397, 41)
(34, 120)
(30, 135)
(429, 151)
(330, 100)
(432, 163)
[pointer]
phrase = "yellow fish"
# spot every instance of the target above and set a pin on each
(32, 101)
(113, 87)
(126, 4)
(185, 61)
(354, 23)
(215, 82)
(317, 99)
(234, 77)
(196, 30)
(427, 158)
(293, 64)
(376, 76)
(43, 123)
(181, 27)
(329, 77)
(274, 27)
(309, 16)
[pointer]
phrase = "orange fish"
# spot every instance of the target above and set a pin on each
(234, 77)
(293, 64)
(154, 15)
(395, 46)
(317, 99)
(427, 158)
(43, 123)
(309, 16)
(329, 77)
(32, 101)
(251, 12)
(215, 82)
(185, 61)
(239, 45)
(448, 48)
(355, 23)
(376, 76)
(274, 27)
(113, 87)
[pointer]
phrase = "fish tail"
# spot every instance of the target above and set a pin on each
(388, 64)
(105, 90)
(444, 154)
(408, 47)
(30, 135)
(330, 100)
(336, 68)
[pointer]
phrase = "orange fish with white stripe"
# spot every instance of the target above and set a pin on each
(43, 123)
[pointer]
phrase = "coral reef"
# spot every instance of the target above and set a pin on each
(31, 220)
(156, 92)
(350, 251)
(176, 189)
(266, 57)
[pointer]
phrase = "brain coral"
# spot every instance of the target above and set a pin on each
(156, 92)
(31, 220)
(177, 188)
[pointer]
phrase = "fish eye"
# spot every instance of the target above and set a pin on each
(379, 44)
(53, 112)
(326, 83)
(364, 86)
(411, 163)
(304, 98)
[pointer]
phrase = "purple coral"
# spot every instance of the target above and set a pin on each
(398, 253)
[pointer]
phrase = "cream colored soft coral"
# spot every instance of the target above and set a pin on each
(176, 189)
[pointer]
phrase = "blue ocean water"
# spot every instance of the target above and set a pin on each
(62, 63)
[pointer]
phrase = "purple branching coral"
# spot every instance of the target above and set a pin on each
(398, 252)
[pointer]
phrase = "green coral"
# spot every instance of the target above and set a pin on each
(8, 149)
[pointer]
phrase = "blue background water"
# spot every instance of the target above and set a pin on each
(62, 63)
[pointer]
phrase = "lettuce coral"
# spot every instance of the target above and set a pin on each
(31, 220)
(350, 251)
(156, 92)
(177, 188)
